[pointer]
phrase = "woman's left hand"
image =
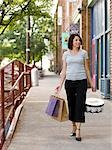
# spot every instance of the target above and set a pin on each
(93, 88)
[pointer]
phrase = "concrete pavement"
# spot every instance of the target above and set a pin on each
(37, 131)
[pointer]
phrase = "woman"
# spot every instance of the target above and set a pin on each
(75, 72)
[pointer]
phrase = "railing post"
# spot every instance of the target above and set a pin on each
(21, 82)
(12, 85)
(2, 106)
(28, 77)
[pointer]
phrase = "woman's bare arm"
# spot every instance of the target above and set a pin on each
(62, 76)
(88, 74)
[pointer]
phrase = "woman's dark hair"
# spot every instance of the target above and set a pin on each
(70, 40)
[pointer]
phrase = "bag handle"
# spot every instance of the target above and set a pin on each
(57, 94)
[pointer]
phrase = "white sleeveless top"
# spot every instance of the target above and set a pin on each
(75, 65)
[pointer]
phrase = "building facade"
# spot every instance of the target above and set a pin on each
(100, 44)
(92, 19)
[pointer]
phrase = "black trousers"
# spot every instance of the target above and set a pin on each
(76, 97)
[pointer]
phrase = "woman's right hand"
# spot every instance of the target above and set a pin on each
(58, 89)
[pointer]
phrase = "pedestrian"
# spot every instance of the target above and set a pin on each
(75, 72)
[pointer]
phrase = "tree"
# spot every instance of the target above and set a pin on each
(10, 11)
(16, 12)
(13, 10)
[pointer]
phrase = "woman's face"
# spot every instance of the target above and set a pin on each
(76, 42)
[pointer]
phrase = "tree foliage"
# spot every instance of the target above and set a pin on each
(13, 14)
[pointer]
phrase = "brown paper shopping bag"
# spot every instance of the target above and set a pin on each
(60, 110)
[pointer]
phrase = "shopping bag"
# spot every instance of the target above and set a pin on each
(60, 112)
(51, 106)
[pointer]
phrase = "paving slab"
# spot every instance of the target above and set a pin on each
(37, 131)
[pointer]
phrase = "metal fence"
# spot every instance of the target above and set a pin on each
(15, 81)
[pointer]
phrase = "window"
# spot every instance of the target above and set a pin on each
(98, 17)
(107, 56)
(101, 24)
(107, 14)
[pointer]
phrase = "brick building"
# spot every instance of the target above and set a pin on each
(99, 16)
(92, 20)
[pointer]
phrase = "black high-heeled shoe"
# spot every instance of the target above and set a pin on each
(73, 134)
(74, 130)
(78, 138)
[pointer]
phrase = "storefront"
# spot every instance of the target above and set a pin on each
(100, 50)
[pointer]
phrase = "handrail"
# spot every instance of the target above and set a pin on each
(15, 95)
(23, 73)
(8, 64)
(13, 87)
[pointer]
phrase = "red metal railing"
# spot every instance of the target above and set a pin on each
(15, 81)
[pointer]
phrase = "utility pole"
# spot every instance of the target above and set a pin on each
(28, 40)
(59, 40)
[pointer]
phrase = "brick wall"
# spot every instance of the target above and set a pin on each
(111, 48)
(59, 49)
(83, 22)
(88, 29)
(66, 15)
(67, 19)
(65, 12)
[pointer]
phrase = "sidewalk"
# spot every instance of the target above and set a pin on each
(37, 131)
